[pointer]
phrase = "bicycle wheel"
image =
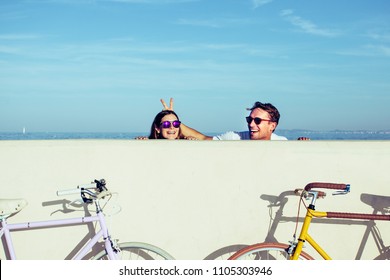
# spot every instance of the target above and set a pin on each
(266, 251)
(137, 251)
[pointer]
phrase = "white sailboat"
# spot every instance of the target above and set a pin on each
(24, 130)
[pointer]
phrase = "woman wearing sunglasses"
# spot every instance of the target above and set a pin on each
(166, 125)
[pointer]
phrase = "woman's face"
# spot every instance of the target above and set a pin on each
(167, 127)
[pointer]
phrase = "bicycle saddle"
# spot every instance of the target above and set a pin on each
(377, 202)
(11, 206)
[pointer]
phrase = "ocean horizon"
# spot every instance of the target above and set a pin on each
(291, 134)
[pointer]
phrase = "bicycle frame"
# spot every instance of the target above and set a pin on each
(304, 235)
(7, 228)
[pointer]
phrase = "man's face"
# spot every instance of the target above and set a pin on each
(263, 130)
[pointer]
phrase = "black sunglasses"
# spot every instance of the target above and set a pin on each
(257, 120)
(167, 124)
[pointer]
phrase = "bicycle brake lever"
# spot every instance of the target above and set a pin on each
(340, 192)
(103, 194)
(300, 192)
(345, 191)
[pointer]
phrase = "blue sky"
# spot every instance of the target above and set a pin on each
(103, 65)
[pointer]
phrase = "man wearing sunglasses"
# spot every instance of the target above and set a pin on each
(262, 122)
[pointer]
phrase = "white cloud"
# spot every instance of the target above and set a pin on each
(119, 1)
(258, 3)
(151, 1)
(306, 25)
(205, 23)
(366, 51)
(19, 36)
(8, 50)
(379, 36)
(215, 23)
(379, 50)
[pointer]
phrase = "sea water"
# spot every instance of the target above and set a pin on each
(290, 134)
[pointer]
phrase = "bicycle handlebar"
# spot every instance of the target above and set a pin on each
(332, 186)
(96, 190)
(69, 192)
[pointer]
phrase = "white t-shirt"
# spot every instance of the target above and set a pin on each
(243, 135)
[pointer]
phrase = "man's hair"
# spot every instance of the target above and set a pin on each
(269, 108)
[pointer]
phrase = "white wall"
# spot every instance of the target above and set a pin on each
(195, 199)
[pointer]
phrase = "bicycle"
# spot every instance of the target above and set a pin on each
(293, 251)
(90, 194)
(380, 204)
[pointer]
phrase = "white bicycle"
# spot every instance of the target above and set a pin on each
(90, 194)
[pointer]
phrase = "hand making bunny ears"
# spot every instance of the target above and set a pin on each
(165, 107)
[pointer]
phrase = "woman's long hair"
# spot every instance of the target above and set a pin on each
(157, 121)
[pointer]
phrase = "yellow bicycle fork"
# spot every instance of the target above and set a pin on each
(304, 235)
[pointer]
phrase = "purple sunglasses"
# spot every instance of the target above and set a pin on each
(167, 124)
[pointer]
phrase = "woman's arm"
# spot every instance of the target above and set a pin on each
(189, 132)
(186, 131)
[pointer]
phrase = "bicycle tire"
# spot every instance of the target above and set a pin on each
(137, 251)
(267, 251)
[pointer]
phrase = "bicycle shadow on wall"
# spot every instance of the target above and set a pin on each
(380, 205)
(275, 201)
(67, 206)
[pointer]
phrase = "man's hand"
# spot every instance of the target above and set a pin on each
(165, 107)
